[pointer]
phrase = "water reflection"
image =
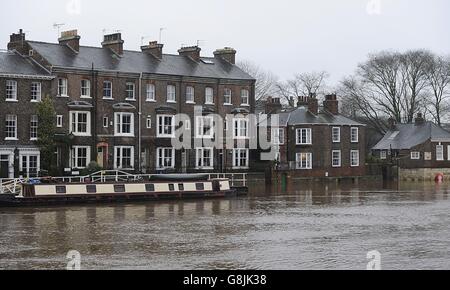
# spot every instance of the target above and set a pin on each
(306, 226)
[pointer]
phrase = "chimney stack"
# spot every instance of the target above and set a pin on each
(273, 105)
(190, 51)
(227, 54)
(17, 41)
(419, 119)
(153, 48)
(71, 39)
(331, 104)
(313, 105)
(302, 101)
(392, 123)
(114, 42)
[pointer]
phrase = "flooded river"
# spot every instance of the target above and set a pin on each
(307, 227)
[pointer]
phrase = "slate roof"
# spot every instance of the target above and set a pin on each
(407, 136)
(12, 63)
(137, 62)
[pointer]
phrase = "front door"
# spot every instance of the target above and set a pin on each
(100, 156)
(4, 166)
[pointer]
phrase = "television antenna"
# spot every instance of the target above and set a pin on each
(160, 33)
(58, 27)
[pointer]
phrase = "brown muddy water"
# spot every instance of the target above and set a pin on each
(306, 227)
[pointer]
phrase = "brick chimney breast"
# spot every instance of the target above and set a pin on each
(419, 119)
(114, 42)
(154, 48)
(227, 53)
(313, 105)
(71, 39)
(331, 104)
(17, 41)
(190, 51)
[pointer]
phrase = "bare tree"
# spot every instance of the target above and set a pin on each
(438, 80)
(414, 66)
(304, 84)
(265, 80)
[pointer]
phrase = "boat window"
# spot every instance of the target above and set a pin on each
(149, 187)
(172, 187)
(91, 188)
(61, 189)
(181, 186)
(200, 186)
(119, 188)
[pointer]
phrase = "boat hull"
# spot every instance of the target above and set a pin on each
(50, 200)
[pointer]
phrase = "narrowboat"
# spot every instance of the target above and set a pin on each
(156, 188)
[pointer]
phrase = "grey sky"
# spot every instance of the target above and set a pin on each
(283, 36)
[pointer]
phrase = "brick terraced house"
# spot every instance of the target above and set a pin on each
(317, 141)
(117, 107)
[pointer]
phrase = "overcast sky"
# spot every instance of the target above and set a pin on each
(284, 36)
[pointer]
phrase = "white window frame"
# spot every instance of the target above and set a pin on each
(148, 122)
(299, 161)
(237, 160)
(34, 124)
(26, 156)
(36, 92)
(440, 156)
(118, 124)
(352, 152)
(171, 94)
(239, 128)
(75, 156)
(339, 153)
(352, 135)
(383, 154)
(105, 122)
(415, 155)
(200, 126)
(151, 93)
(74, 120)
(85, 90)
(130, 88)
(300, 132)
(11, 91)
(118, 152)
(336, 134)
(190, 95)
(11, 118)
(63, 87)
(278, 136)
(209, 96)
(161, 153)
(200, 159)
(59, 121)
(110, 89)
(245, 94)
(228, 97)
(160, 126)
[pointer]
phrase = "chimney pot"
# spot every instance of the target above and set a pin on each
(227, 53)
(114, 42)
(190, 51)
(16, 41)
(71, 39)
(153, 48)
(331, 104)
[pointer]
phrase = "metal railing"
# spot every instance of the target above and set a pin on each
(11, 186)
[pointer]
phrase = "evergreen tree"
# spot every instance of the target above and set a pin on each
(46, 132)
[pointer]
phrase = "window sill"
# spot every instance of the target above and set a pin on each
(11, 139)
(165, 136)
(171, 102)
(80, 135)
(85, 97)
(306, 144)
(239, 168)
(62, 96)
(35, 101)
(33, 139)
(150, 101)
(245, 105)
(190, 103)
(11, 101)
(130, 100)
(204, 168)
(227, 104)
(108, 99)
(209, 104)
(124, 135)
